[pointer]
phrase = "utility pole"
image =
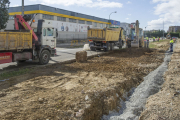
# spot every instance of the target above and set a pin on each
(109, 17)
(22, 7)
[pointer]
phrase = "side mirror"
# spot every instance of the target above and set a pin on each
(48, 29)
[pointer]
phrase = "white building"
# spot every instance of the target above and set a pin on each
(70, 25)
(127, 27)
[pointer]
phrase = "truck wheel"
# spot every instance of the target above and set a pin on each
(108, 47)
(120, 47)
(44, 57)
(122, 43)
(98, 48)
(111, 46)
(93, 49)
(21, 61)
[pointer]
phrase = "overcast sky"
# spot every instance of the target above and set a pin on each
(148, 12)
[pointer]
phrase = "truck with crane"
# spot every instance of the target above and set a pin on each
(35, 41)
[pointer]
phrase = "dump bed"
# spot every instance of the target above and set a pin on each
(107, 34)
(15, 40)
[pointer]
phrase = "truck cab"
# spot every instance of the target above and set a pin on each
(48, 35)
(29, 40)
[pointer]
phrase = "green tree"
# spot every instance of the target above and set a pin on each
(4, 15)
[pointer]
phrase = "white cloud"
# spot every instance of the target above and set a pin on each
(85, 3)
(155, 1)
(127, 18)
(14, 5)
(43, 3)
(129, 14)
(129, 2)
(168, 11)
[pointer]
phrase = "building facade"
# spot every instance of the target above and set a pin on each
(174, 29)
(70, 25)
(126, 27)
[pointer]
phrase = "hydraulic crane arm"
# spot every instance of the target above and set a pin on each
(20, 23)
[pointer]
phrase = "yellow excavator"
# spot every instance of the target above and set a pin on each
(136, 38)
(168, 36)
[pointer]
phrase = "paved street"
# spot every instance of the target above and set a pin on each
(63, 54)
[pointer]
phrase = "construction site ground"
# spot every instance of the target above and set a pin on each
(165, 105)
(78, 90)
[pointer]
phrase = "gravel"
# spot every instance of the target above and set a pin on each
(133, 106)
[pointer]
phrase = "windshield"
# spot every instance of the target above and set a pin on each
(35, 31)
(50, 32)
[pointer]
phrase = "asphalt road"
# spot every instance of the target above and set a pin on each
(63, 54)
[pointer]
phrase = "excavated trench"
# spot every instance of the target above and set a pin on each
(84, 91)
(135, 103)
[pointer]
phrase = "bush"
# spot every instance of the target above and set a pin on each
(4, 15)
(175, 34)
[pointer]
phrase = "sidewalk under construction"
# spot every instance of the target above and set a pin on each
(84, 91)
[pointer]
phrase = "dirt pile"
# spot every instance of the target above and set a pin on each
(165, 104)
(78, 90)
(81, 56)
(162, 45)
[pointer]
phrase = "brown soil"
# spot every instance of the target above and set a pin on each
(165, 105)
(77, 90)
(163, 45)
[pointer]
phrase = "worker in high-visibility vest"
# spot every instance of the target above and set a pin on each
(158, 39)
(153, 39)
(147, 39)
(171, 45)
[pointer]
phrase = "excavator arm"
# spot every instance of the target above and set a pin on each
(135, 42)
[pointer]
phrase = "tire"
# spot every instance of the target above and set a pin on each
(93, 49)
(98, 48)
(120, 47)
(44, 57)
(22, 61)
(108, 47)
(111, 46)
(122, 43)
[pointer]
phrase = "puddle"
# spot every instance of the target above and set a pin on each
(4, 80)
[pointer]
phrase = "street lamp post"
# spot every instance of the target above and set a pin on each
(110, 15)
(22, 7)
